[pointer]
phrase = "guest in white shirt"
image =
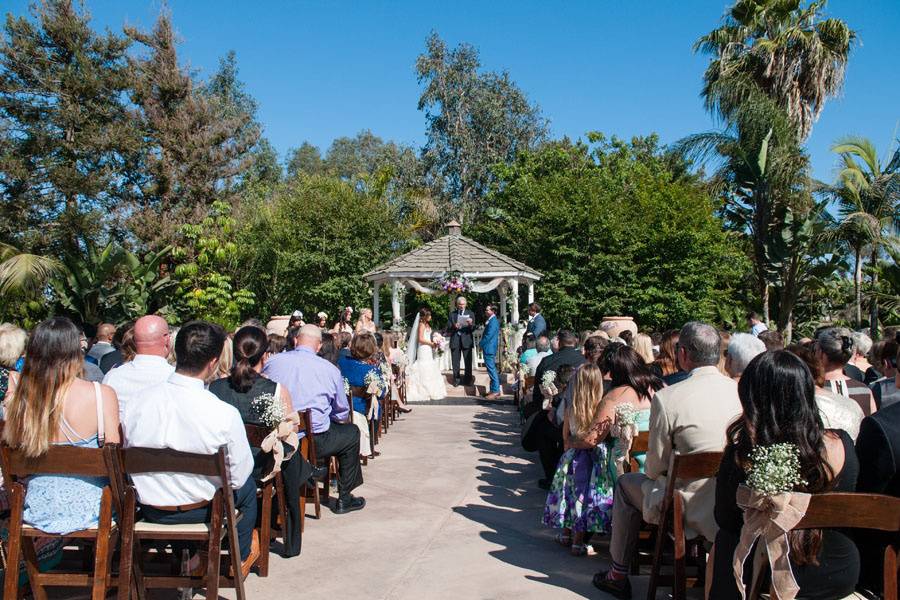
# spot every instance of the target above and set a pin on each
(543, 349)
(181, 414)
(149, 367)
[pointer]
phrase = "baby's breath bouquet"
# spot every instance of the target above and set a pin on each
(386, 372)
(626, 414)
(774, 469)
(623, 430)
(346, 386)
(269, 409)
(548, 387)
(373, 378)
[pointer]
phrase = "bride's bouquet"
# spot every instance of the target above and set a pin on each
(440, 343)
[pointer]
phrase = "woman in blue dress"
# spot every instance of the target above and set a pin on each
(52, 405)
(355, 369)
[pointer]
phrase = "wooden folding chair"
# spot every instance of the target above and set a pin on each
(255, 435)
(837, 510)
(643, 554)
(682, 467)
(639, 445)
(374, 429)
(135, 461)
(67, 460)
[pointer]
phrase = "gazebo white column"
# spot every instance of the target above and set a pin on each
(395, 301)
(502, 291)
(530, 292)
(514, 288)
(376, 302)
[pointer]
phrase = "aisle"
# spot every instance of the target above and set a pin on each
(453, 512)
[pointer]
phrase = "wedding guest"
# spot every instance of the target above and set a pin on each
(772, 339)
(778, 399)
(875, 359)
(689, 417)
(296, 320)
(527, 350)
(123, 348)
(858, 364)
(316, 384)
(226, 359)
(581, 494)
(252, 322)
(542, 350)
(627, 337)
(343, 343)
(725, 336)
(754, 322)
(277, 343)
(52, 405)
(103, 344)
(329, 349)
(878, 449)
(742, 348)
(834, 347)
(643, 345)
(248, 390)
(89, 370)
(365, 323)
(837, 412)
(355, 369)
(884, 389)
(666, 366)
(322, 320)
(12, 346)
(188, 418)
(592, 350)
(344, 324)
(389, 347)
(290, 338)
(153, 342)
(537, 325)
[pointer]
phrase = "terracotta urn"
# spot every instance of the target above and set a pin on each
(278, 324)
(614, 326)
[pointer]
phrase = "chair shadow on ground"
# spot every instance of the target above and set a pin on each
(515, 506)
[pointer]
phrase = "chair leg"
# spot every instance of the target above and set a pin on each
(679, 588)
(127, 554)
(265, 530)
(658, 553)
(31, 565)
(102, 549)
(890, 573)
(14, 547)
(214, 562)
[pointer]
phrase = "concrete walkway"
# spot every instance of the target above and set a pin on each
(452, 512)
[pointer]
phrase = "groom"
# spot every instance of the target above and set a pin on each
(460, 329)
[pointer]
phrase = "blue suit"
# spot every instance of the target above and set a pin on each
(537, 326)
(490, 342)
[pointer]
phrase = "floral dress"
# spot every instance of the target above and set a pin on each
(581, 494)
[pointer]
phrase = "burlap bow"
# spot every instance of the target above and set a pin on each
(769, 518)
(273, 443)
(374, 392)
(624, 435)
(548, 392)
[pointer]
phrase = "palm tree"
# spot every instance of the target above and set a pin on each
(23, 272)
(781, 48)
(868, 198)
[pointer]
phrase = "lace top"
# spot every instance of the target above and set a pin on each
(66, 503)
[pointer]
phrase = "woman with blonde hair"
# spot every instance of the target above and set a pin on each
(643, 345)
(12, 346)
(365, 323)
(226, 359)
(580, 497)
(52, 405)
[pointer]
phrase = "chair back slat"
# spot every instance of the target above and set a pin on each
(70, 460)
(256, 434)
(358, 391)
(852, 511)
(150, 460)
(640, 442)
(698, 465)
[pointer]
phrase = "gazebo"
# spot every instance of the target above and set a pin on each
(487, 270)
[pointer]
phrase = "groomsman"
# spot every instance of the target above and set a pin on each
(490, 343)
(537, 326)
(460, 329)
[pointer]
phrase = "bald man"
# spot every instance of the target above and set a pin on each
(149, 366)
(103, 344)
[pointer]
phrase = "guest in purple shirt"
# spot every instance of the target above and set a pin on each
(317, 385)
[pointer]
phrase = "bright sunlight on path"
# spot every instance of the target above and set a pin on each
(452, 512)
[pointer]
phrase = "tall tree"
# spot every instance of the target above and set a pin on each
(868, 197)
(306, 159)
(781, 47)
(475, 121)
(199, 140)
(67, 134)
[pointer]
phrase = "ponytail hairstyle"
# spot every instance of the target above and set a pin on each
(55, 360)
(836, 344)
(250, 345)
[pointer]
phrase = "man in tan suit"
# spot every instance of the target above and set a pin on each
(690, 416)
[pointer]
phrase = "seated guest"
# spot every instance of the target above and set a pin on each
(643, 345)
(777, 395)
(329, 349)
(878, 449)
(89, 370)
(12, 346)
(884, 389)
(290, 338)
(541, 350)
(689, 417)
(244, 389)
(355, 369)
(742, 348)
(149, 367)
(834, 347)
(875, 357)
(51, 405)
(180, 414)
(592, 350)
(226, 359)
(666, 366)
(316, 384)
(123, 348)
(528, 348)
(343, 343)
(102, 344)
(772, 339)
(550, 435)
(277, 343)
(837, 412)
(858, 364)
(725, 336)
(393, 356)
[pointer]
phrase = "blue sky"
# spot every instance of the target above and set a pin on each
(321, 70)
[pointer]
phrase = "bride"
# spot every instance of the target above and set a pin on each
(424, 380)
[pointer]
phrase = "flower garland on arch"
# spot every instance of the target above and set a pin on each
(453, 282)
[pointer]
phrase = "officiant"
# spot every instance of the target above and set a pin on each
(459, 329)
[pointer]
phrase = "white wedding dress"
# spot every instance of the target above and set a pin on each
(424, 380)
